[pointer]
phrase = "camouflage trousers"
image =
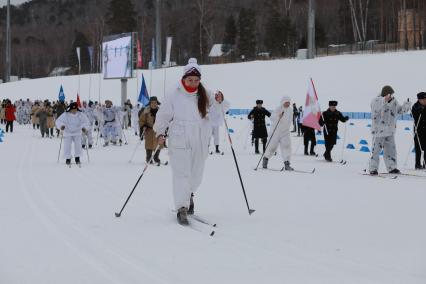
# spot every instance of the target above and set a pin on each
(386, 143)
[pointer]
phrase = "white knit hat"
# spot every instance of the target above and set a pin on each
(192, 68)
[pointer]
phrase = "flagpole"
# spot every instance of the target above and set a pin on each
(164, 83)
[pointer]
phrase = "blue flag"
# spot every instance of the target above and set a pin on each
(61, 96)
(143, 95)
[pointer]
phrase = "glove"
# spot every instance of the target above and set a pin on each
(346, 118)
(62, 127)
(84, 130)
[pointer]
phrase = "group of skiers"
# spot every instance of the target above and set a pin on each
(190, 116)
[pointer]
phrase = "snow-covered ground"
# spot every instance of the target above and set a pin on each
(353, 80)
(333, 226)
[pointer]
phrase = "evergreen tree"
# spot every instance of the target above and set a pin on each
(275, 34)
(230, 34)
(81, 41)
(121, 16)
(246, 45)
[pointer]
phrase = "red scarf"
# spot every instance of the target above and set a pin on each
(189, 89)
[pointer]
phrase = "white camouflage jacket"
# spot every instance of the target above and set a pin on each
(384, 116)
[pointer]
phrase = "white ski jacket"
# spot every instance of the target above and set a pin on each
(74, 123)
(216, 114)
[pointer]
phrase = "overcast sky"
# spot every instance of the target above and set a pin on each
(12, 2)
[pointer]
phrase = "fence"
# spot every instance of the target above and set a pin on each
(352, 115)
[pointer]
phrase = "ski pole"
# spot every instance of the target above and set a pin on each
(60, 146)
(269, 141)
(416, 135)
(344, 142)
(250, 211)
(137, 182)
(87, 147)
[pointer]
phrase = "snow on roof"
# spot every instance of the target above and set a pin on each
(216, 50)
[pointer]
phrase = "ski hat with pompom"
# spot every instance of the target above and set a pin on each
(191, 69)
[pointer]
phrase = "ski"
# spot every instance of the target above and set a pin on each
(343, 162)
(220, 153)
(162, 164)
(193, 226)
(404, 174)
(294, 171)
(299, 171)
(388, 176)
(202, 220)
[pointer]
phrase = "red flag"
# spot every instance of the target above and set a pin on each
(78, 101)
(139, 63)
(312, 112)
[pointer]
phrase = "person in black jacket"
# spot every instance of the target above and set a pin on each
(330, 120)
(257, 114)
(419, 115)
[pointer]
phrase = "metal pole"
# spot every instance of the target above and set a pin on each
(158, 33)
(8, 49)
(311, 30)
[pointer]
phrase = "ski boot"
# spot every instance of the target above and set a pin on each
(77, 161)
(265, 163)
(68, 162)
(191, 205)
(374, 173)
(182, 216)
(287, 166)
(395, 171)
(217, 149)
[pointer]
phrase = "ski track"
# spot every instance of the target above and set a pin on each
(102, 254)
(92, 250)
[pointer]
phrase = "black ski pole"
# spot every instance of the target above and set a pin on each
(267, 144)
(137, 182)
(250, 211)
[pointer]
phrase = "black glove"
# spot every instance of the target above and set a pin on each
(346, 118)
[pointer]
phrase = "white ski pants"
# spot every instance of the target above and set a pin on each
(284, 141)
(78, 150)
(109, 132)
(188, 151)
(215, 134)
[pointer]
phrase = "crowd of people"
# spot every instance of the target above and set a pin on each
(189, 119)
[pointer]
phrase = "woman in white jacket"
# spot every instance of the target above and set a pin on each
(219, 107)
(184, 113)
(72, 122)
(282, 119)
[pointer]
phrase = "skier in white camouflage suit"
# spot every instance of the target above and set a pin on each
(283, 116)
(185, 113)
(89, 111)
(110, 124)
(384, 111)
(73, 123)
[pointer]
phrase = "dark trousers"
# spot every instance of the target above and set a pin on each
(309, 136)
(330, 141)
(9, 124)
(256, 144)
(156, 155)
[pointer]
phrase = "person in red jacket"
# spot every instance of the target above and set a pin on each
(10, 115)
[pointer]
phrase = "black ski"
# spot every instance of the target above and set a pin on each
(220, 153)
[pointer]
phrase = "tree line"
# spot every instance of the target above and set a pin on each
(45, 33)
